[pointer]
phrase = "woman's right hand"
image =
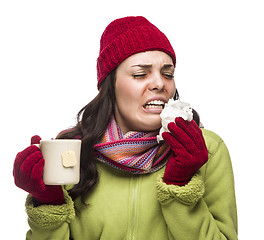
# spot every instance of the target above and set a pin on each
(28, 172)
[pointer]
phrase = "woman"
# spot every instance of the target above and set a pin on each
(131, 186)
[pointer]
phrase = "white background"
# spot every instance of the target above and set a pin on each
(48, 52)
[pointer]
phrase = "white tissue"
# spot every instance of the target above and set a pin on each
(173, 109)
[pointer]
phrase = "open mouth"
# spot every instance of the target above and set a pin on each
(156, 104)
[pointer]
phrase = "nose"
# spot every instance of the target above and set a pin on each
(157, 83)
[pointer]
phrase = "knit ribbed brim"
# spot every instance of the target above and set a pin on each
(125, 37)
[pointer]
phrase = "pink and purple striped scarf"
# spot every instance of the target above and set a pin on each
(136, 152)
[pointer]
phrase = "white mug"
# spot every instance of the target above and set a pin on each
(62, 161)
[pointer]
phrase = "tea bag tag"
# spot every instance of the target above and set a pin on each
(68, 159)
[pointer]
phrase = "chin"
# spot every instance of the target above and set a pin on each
(151, 125)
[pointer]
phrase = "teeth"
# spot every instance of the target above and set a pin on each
(155, 102)
(154, 106)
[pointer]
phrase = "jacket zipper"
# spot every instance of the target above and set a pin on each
(132, 231)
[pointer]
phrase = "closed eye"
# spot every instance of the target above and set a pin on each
(168, 76)
(139, 75)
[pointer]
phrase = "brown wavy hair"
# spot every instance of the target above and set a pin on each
(92, 121)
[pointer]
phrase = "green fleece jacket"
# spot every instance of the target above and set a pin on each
(140, 207)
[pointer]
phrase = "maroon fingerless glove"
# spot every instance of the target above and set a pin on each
(189, 152)
(28, 171)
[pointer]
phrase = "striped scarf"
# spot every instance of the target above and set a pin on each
(136, 152)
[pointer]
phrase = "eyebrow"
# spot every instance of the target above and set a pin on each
(146, 66)
(166, 66)
(142, 65)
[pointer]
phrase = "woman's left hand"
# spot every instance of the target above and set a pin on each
(189, 152)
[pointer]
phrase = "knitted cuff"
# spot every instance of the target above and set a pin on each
(50, 216)
(188, 194)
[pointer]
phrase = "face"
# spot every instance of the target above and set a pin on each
(144, 83)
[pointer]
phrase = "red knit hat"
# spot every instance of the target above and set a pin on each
(126, 36)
